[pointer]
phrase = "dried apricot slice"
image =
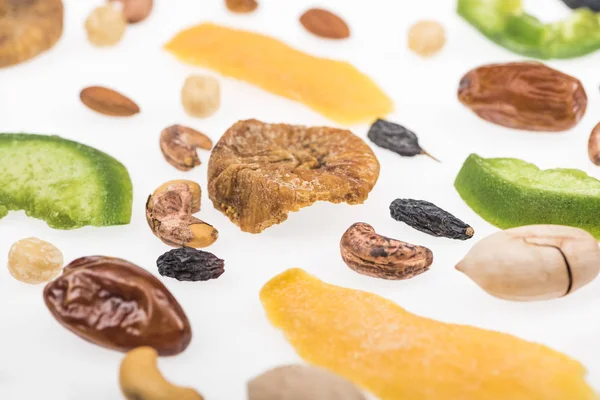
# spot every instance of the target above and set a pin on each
(398, 355)
(259, 172)
(335, 89)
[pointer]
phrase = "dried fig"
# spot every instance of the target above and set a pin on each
(179, 143)
(259, 172)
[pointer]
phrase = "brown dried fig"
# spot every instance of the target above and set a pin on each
(259, 172)
(594, 145)
(179, 144)
(524, 95)
(371, 254)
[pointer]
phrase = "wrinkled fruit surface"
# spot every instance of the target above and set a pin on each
(524, 95)
(259, 172)
(333, 88)
(188, 264)
(28, 28)
(118, 305)
(397, 355)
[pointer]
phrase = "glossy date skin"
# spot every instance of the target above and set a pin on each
(524, 95)
(116, 304)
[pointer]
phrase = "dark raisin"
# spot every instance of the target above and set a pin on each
(591, 4)
(188, 264)
(396, 138)
(429, 218)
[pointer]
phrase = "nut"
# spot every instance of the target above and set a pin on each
(105, 25)
(169, 214)
(426, 38)
(534, 262)
(179, 143)
(325, 24)
(371, 254)
(241, 6)
(136, 10)
(34, 261)
(140, 378)
(594, 145)
(201, 96)
(108, 102)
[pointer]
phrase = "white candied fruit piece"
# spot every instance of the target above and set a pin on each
(426, 38)
(201, 96)
(34, 261)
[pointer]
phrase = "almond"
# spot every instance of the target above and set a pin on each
(325, 24)
(241, 6)
(108, 102)
(136, 10)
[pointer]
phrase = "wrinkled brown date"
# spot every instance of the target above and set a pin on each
(118, 305)
(524, 95)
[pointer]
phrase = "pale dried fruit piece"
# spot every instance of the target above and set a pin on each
(398, 355)
(426, 38)
(108, 102)
(136, 10)
(201, 96)
(259, 172)
(594, 145)
(105, 25)
(241, 6)
(325, 24)
(28, 28)
(34, 261)
(179, 143)
(335, 89)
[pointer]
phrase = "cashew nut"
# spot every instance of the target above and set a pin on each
(371, 254)
(169, 214)
(179, 144)
(140, 379)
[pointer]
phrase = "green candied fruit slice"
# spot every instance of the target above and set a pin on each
(509, 192)
(66, 184)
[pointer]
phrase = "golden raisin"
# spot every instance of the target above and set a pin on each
(426, 38)
(34, 261)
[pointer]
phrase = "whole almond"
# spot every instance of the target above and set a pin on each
(594, 145)
(241, 6)
(325, 24)
(108, 102)
(136, 10)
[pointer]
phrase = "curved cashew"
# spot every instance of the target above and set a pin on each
(179, 143)
(140, 379)
(371, 254)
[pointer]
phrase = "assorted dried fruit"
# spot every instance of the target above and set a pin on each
(108, 102)
(395, 354)
(136, 11)
(241, 6)
(189, 264)
(378, 256)
(105, 25)
(426, 38)
(28, 28)
(537, 262)
(396, 138)
(116, 304)
(507, 24)
(259, 172)
(524, 95)
(140, 378)
(333, 88)
(169, 214)
(179, 144)
(429, 218)
(509, 192)
(34, 261)
(325, 24)
(64, 183)
(201, 96)
(594, 145)
(301, 382)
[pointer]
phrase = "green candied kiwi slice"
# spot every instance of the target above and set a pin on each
(505, 23)
(65, 183)
(508, 192)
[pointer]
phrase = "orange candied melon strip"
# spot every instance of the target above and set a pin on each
(397, 355)
(335, 89)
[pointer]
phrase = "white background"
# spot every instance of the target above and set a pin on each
(232, 339)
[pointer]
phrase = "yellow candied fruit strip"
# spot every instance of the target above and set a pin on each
(399, 356)
(335, 89)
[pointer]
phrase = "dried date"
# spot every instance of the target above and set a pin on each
(188, 264)
(115, 304)
(396, 138)
(429, 218)
(524, 95)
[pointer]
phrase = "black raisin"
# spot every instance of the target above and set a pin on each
(591, 4)
(396, 138)
(429, 218)
(187, 264)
